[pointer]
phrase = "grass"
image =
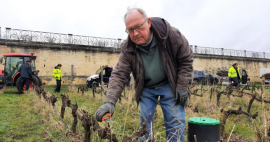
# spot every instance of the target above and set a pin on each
(17, 118)
(25, 117)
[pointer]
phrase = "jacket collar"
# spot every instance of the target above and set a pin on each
(160, 29)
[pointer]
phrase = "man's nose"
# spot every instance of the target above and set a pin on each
(135, 32)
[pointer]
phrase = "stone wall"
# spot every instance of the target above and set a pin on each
(87, 60)
(212, 63)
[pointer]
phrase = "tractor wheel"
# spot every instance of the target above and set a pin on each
(18, 84)
(39, 83)
(34, 81)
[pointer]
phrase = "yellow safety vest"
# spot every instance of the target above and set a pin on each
(57, 75)
(232, 72)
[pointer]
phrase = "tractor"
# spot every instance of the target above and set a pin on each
(9, 76)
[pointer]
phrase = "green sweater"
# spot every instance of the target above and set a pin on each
(154, 74)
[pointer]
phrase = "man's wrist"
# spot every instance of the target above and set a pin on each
(109, 103)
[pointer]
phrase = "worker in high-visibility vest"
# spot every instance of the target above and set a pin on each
(234, 74)
(57, 75)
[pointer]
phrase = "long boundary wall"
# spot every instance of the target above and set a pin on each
(87, 59)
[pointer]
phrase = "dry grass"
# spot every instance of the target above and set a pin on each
(126, 117)
(244, 126)
(127, 114)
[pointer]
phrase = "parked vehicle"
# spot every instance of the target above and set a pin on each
(224, 79)
(203, 77)
(10, 76)
(265, 75)
(105, 71)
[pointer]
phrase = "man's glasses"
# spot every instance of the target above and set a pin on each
(137, 28)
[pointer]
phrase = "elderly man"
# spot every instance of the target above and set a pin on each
(160, 59)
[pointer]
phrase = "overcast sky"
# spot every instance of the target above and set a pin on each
(230, 24)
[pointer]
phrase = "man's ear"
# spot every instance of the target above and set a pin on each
(149, 22)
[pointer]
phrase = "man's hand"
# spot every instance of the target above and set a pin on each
(107, 107)
(181, 96)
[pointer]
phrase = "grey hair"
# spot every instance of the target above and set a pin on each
(134, 8)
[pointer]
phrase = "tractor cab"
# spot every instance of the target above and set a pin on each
(12, 63)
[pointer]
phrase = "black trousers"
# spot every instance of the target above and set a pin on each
(235, 81)
(25, 81)
(58, 86)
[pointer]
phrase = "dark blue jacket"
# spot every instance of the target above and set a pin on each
(25, 71)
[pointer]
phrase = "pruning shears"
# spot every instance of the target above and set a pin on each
(106, 118)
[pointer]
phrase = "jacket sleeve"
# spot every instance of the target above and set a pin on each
(184, 59)
(60, 74)
(230, 72)
(29, 70)
(118, 78)
(54, 73)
